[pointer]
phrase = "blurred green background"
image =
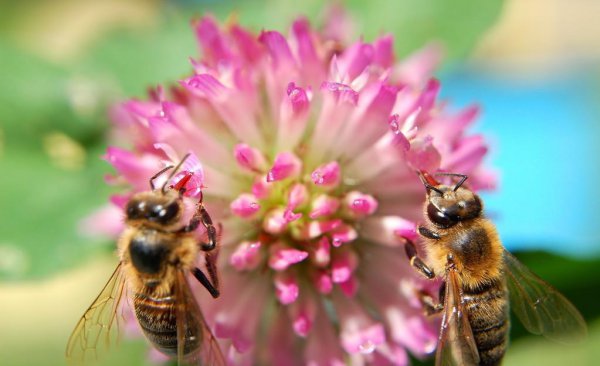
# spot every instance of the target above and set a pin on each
(533, 65)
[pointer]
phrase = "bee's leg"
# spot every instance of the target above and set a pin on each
(415, 261)
(429, 305)
(429, 234)
(201, 216)
(201, 277)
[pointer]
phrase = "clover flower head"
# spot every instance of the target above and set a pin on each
(308, 154)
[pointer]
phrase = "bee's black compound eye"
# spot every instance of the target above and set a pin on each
(439, 218)
(135, 209)
(164, 214)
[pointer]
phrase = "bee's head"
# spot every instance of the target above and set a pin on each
(163, 209)
(161, 206)
(448, 205)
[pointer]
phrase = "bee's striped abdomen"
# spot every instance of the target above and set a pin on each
(488, 315)
(158, 318)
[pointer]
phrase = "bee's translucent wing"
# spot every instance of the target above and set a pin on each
(540, 307)
(98, 327)
(189, 314)
(456, 345)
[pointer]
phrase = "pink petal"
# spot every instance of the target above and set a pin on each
(234, 106)
(290, 216)
(388, 230)
(261, 187)
(343, 93)
(354, 60)
(247, 44)
(342, 266)
(249, 158)
(317, 228)
(418, 68)
(327, 175)
(323, 205)
(212, 41)
(343, 234)
(137, 170)
(245, 205)
(303, 314)
(278, 49)
(281, 258)
(384, 52)
(246, 256)
(286, 165)
(312, 68)
(275, 222)
(322, 347)
(297, 196)
(321, 254)
(286, 288)
(423, 155)
(293, 116)
(322, 282)
(360, 204)
(350, 287)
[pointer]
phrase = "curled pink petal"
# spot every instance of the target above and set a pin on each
(327, 175)
(286, 165)
(360, 204)
(249, 158)
(281, 258)
(245, 205)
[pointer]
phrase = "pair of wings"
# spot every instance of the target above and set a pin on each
(540, 307)
(98, 328)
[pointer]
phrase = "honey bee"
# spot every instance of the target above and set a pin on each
(479, 275)
(156, 254)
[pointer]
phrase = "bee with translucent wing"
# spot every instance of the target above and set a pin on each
(156, 254)
(479, 278)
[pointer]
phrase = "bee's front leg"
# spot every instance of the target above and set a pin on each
(416, 261)
(429, 234)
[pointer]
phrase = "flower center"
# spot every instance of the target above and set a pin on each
(305, 224)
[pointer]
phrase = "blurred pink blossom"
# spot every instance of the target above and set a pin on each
(308, 154)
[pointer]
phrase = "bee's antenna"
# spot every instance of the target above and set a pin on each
(463, 178)
(162, 189)
(428, 181)
(158, 175)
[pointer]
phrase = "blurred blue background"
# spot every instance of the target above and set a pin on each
(532, 65)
